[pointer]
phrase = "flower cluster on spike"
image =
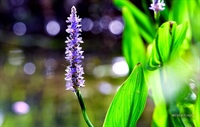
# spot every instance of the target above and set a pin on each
(157, 5)
(74, 71)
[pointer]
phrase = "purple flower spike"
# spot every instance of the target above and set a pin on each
(157, 5)
(74, 71)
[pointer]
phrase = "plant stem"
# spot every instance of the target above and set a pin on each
(81, 102)
(156, 17)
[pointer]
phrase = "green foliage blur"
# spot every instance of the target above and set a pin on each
(170, 59)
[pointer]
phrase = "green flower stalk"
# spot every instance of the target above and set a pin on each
(74, 72)
(157, 6)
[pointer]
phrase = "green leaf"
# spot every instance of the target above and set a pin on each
(133, 47)
(161, 46)
(167, 43)
(174, 116)
(178, 37)
(129, 101)
(154, 61)
(164, 41)
(186, 110)
(194, 18)
(179, 11)
(159, 118)
(197, 110)
(143, 22)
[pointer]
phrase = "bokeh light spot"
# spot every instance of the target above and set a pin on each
(116, 27)
(53, 28)
(96, 29)
(86, 24)
(29, 68)
(120, 67)
(193, 96)
(51, 63)
(105, 88)
(19, 28)
(50, 66)
(105, 21)
(48, 73)
(192, 85)
(20, 107)
(16, 57)
(99, 71)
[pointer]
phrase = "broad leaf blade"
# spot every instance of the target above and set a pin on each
(129, 101)
(178, 37)
(164, 41)
(133, 47)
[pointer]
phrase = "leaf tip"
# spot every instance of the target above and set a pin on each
(138, 64)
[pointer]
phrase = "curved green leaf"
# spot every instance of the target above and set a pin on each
(178, 37)
(168, 41)
(129, 101)
(154, 61)
(143, 22)
(133, 47)
(161, 47)
(180, 12)
(164, 41)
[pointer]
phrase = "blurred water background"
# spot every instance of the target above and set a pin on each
(32, 64)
